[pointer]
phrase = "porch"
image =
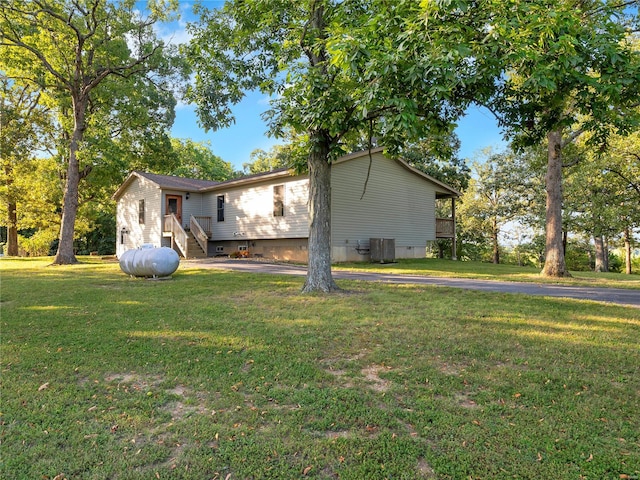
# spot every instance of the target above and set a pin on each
(446, 226)
(192, 242)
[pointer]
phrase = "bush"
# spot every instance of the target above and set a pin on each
(635, 265)
(38, 244)
(616, 263)
(239, 254)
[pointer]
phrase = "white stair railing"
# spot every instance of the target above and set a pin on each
(198, 233)
(178, 235)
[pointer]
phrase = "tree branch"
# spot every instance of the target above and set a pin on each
(635, 186)
(572, 137)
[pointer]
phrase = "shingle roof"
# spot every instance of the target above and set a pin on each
(177, 183)
(170, 182)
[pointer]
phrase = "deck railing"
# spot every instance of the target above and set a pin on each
(178, 235)
(199, 232)
(445, 228)
(205, 224)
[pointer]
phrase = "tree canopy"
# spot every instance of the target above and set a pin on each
(568, 68)
(94, 61)
(334, 70)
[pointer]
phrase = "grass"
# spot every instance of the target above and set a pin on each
(219, 375)
(488, 271)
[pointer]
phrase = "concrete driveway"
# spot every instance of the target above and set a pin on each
(617, 296)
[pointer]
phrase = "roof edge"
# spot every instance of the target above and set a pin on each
(127, 181)
(452, 191)
(414, 170)
(248, 180)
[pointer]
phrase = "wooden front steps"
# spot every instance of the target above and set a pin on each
(194, 248)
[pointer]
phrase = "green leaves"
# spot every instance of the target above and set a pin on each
(555, 53)
(363, 62)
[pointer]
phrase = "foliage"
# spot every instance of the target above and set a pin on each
(279, 156)
(35, 186)
(196, 160)
(101, 238)
(439, 159)
(25, 127)
(336, 71)
(568, 69)
(497, 194)
(255, 381)
(101, 67)
(38, 244)
(601, 194)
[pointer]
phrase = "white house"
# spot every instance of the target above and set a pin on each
(266, 215)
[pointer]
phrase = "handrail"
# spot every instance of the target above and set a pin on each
(205, 223)
(178, 235)
(198, 233)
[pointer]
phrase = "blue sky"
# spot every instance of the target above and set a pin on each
(477, 130)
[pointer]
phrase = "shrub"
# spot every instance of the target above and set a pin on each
(38, 244)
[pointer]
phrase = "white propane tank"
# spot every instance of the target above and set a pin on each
(149, 262)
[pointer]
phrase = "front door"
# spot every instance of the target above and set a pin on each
(174, 205)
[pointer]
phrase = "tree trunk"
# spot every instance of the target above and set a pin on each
(554, 263)
(627, 251)
(319, 278)
(601, 264)
(12, 230)
(494, 240)
(12, 215)
(65, 254)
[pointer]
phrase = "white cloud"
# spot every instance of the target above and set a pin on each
(175, 33)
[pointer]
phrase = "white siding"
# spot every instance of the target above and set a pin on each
(397, 204)
(248, 211)
(127, 216)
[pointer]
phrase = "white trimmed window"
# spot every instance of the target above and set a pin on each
(278, 200)
(141, 212)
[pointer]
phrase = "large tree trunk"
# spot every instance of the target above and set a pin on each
(627, 251)
(601, 263)
(65, 254)
(554, 263)
(319, 278)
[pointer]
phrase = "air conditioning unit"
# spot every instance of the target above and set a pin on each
(383, 250)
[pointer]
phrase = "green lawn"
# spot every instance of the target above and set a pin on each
(218, 375)
(488, 271)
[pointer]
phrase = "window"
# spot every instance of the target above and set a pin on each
(141, 211)
(243, 248)
(278, 200)
(221, 208)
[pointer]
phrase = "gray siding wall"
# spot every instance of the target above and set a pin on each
(397, 204)
(127, 216)
(248, 211)
(193, 206)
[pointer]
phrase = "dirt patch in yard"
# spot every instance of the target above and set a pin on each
(372, 375)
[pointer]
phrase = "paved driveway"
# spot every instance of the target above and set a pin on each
(611, 295)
